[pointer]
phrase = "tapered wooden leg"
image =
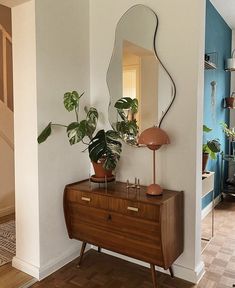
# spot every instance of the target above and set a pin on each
(99, 249)
(154, 275)
(82, 253)
(171, 272)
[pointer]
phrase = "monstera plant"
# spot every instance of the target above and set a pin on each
(104, 147)
(127, 127)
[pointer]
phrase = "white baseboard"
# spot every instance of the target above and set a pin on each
(59, 262)
(25, 267)
(193, 276)
(182, 272)
(7, 211)
(208, 208)
(42, 272)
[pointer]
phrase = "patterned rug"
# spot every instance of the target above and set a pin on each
(7, 242)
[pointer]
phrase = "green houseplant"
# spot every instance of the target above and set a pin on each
(104, 147)
(209, 149)
(127, 126)
(229, 132)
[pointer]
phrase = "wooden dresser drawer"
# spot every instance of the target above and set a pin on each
(135, 208)
(146, 228)
(118, 223)
(110, 230)
(88, 199)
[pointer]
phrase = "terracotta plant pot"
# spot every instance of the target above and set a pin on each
(205, 157)
(230, 102)
(99, 170)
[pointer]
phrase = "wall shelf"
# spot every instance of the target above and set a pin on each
(211, 60)
(209, 65)
(227, 187)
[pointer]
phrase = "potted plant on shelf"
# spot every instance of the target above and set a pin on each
(209, 149)
(104, 148)
(230, 101)
(229, 132)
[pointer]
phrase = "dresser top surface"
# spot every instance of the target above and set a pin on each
(119, 190)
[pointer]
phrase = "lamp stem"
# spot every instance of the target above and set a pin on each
(154, 169)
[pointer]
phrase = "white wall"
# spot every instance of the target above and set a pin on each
(25, 126)
(62, 31)
(180, 45)
(51, 56)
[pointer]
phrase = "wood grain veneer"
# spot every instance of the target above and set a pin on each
(131, 223)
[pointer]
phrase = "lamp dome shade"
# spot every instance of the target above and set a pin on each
(154, 138)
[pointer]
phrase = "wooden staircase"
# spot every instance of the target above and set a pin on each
(6, 125)
(6, 88)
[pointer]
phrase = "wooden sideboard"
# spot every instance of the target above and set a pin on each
(148, 228)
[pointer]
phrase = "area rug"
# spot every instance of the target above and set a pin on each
(7, 242)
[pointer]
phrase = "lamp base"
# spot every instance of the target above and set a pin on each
(154, 189)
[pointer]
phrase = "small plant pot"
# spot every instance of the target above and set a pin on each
(205, 157)
(230, 102)
(100, 171)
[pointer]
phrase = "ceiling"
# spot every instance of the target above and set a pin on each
(226, 8)
(12, 3)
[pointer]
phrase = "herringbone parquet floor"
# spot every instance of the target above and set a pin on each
(101, 270)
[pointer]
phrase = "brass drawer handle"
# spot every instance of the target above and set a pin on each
(133, 209)
(86, 199)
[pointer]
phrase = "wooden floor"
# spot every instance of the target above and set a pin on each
(7, 218)
(101, 270)
(13, 278)
(219, 256)
(9, 276)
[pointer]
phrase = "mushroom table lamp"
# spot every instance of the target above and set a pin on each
(154, 138)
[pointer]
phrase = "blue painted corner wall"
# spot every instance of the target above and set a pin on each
(218, 39)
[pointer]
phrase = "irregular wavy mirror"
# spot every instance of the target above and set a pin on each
(141, 90)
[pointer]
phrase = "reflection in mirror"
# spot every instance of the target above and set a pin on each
(141, 89)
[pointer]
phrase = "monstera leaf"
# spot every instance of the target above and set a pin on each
(44, 134)
(105, 145)
(71, 100)
(206, 129)
(91, 121)
(213, 148)
(76, 131)
(127, 103)
(127, 127)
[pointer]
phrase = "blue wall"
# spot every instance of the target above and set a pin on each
(218, 39)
